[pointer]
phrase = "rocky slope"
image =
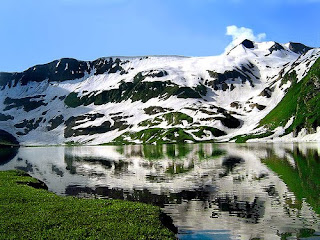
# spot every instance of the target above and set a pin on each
(257, 91)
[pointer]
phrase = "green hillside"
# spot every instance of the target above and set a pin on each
(302, 101)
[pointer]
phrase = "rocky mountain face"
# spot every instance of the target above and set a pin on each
(255, 92)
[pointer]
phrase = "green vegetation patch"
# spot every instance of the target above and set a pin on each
(155, 135)
(29, 213)
(200, 131)
(151, 122)
(177, 118)
(27, 103)
(28, 125)
(72, 100)
(55, 122)
(156, 109)
(172, 118)
(246, 137)
(170, 135)
(302, 101)
(137, 90)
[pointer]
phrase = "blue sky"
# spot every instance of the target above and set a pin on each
(39, 31)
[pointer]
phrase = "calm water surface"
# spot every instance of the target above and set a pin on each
(212, 191)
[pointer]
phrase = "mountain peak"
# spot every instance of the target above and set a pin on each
(298, 48)
(276, 47)
(247, 43)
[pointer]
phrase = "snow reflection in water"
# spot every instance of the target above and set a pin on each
(214, 191)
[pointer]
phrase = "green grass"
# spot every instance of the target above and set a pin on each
(172, 118)
(150, 122)
(29, 213)
(199, 131)
(170, 135)
(177, 118)
(281, 114)
(301, 101)
(155, 135)
(244, 138)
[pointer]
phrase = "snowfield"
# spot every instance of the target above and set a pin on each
(231, 93)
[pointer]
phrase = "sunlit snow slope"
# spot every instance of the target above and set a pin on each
(164, 99)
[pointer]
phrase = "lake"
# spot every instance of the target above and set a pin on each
(211, 191)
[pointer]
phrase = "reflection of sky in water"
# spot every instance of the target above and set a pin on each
(211, 191)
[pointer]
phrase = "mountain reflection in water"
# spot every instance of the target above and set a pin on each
(212, 191)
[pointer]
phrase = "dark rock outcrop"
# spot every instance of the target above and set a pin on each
(298, 48)
(247, 43)
(6, 139)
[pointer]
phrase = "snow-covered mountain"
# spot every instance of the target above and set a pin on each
(256, 91)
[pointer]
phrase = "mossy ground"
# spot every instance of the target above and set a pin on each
(29, 213)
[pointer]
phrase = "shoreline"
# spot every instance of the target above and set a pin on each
(30, 210)
(173, 143)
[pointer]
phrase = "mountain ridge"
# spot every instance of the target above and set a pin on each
(169, 98)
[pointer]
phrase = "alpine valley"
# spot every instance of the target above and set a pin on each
(255, 92)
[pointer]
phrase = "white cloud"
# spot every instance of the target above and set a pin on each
(241, 33)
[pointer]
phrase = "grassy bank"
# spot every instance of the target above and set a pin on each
(30, 213)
